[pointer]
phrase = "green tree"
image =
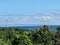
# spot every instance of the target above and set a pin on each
(22, 39)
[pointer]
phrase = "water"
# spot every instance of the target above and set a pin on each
(51, 27)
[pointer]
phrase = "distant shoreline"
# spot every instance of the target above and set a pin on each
(51, 27)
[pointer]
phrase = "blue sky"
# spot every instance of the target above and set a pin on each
(29, 12)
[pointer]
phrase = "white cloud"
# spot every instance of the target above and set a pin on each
(26, 18)
(37, 17)
(15, 18)
(43, 17)
(46, 17)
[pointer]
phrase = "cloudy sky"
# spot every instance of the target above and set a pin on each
(29, 12)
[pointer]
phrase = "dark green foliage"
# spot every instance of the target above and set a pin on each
(58, 28)
(42, 36)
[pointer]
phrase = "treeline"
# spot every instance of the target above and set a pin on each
(41, 36)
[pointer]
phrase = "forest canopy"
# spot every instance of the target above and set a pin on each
(41, 36)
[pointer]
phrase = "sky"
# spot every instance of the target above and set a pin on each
(29, 12)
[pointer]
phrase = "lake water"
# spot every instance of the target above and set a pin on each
(51, 27)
